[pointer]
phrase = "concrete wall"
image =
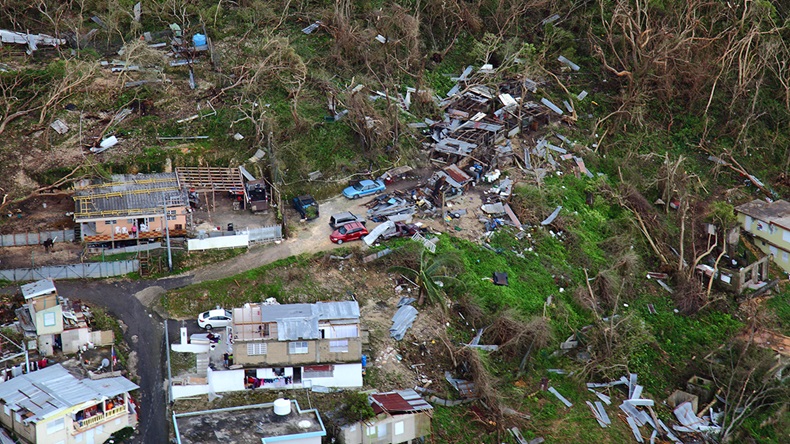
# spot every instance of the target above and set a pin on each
(344, 375)
(9, 421)
(74, 338)
(318, 351)
(103, 228)
(226, 380)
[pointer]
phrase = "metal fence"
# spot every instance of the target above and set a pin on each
(131, 249)
(22, 239)
(265, 234)
(72, 271)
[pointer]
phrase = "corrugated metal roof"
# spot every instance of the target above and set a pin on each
(402, 321)
(127, 193)
(289, 329)
(400, 401)
(49, 390)
(44, 286)
(297, 321)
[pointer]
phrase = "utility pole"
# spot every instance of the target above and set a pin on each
(167, 237)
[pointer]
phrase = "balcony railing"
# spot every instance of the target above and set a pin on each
(93, 421)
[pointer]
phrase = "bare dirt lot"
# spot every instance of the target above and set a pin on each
(40, 213)
(35, 255)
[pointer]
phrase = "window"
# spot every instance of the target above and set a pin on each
(151, 219)
(49, 319)
(318, 371)
(110, 222)
(762, 226)
(785, 256)
(371, 430)
(297, 348)
(55, 426)
(130, 221)
(171, 214)
(786, 235)
(256, 349)
(382, 430)
(339, 346)
(399, 428)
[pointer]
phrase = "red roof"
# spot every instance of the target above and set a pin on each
(402, 401)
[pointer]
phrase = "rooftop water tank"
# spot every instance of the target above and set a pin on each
(282, 407)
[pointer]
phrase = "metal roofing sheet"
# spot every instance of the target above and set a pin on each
(110, 387)
(289, 329)
(44, 286)
(127, 192)
(402, 321)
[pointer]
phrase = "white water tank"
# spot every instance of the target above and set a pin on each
(282, 407)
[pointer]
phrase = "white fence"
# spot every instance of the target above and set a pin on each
(265, 234)
(72, 271)
(132, 249)
(22, 239)
(241, 238)
(236, 241)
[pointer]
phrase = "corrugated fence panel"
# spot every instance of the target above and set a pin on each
(72, 271)
(22, 239)
(266, 234)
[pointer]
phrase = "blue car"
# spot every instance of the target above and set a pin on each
(364, 188)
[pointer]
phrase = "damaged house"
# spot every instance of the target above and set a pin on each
(131, 207)
(54, 323)
(278, 346)
(50, 406)
(769, 224)
(401, 416)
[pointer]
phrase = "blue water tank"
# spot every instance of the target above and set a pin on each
(364, 361)
(199, 40)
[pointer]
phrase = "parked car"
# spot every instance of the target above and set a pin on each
(338, 220)
(306, 206)
(364, 188)
(214, 318)
(348, 232)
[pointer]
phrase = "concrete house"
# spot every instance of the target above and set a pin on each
(50, 406)
(304, 344)
(275, 346)
(130, 207)
(401, 416)
(769, 223)
(281, 421)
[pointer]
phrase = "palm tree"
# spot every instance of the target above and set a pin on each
(432, 276)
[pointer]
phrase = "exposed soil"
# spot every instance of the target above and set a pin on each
(35, 255)
(40, 213)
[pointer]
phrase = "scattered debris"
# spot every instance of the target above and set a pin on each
(568, 63)
(309, 29)
(500, 278)
(402, 321)
(552, 216)
(59, 126)
(554, 392)
(551, 105)
(31, 40)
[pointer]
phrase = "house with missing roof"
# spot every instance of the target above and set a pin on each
(769, 224)
(50, 406)
(277, 346)
(53, 322)
(401, 416)
(281, 421)
(130, 207)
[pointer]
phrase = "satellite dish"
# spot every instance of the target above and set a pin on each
(105, 362)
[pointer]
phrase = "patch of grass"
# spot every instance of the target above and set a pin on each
(779, 305)
(182, 363)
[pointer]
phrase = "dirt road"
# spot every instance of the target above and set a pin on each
(305, 237)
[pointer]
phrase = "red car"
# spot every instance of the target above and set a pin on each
(348, 232)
